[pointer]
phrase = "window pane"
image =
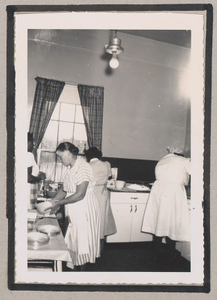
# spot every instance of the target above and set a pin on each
(55, 115)
(65, 132)
(79, 114)
(47, 164)
(80, 133)
(60, 168)
(49, 141)
(67, 112)
(70, 95)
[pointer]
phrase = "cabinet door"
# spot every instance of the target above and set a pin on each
(136, 234)
(123, 220)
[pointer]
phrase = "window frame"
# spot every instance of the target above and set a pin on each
(62, 101)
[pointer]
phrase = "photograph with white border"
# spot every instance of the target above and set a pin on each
(153, 103)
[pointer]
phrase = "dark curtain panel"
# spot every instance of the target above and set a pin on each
(46, 96)
(92, 100)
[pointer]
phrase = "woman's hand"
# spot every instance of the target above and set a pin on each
(54, 208)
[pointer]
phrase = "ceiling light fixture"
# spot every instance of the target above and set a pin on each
(114, 48)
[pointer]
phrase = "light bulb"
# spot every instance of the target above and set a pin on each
(114, 63)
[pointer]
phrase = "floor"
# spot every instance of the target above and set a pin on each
(132, 257)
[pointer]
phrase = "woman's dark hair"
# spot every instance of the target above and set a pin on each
(93, 152)
(68, 146)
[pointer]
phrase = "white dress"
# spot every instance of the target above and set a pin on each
(101, 172)
(84, 239)
(167, 212)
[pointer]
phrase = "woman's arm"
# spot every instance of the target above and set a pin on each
(60, 194)
(77, 196)
(34, 179)
(31, 178)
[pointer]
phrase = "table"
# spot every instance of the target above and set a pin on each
(56, 249)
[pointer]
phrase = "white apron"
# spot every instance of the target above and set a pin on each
(107, 222)
(101, 172)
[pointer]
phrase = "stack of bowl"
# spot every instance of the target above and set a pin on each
(119, 184)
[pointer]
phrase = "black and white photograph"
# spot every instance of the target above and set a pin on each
(109, 148)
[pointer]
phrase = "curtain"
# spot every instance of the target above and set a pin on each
(46, 96)
(92, 100)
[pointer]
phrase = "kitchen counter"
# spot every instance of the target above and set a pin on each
(130, 188)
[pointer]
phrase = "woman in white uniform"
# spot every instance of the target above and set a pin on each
(81, 205)
(167, 212)
(101, 173)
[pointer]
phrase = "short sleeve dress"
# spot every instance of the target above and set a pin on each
(167, 208)
(84, 238)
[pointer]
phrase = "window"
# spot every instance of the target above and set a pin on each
(66, 124)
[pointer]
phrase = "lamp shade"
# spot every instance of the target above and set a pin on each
(114, 46)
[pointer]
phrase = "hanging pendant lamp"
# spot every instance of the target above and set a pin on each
(114, 48)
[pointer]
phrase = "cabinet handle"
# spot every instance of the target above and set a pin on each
(134, 198)
(131, 208)
(136, 208)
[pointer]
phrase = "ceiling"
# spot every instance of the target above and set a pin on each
(175, 37)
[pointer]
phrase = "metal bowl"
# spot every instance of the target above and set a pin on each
(51, 193)
(37, 239)
(49, 229)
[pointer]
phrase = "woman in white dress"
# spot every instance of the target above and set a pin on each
(101, 173)
(167, 214)
(81, 204)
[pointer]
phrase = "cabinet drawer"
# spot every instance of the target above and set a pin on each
(119, 197)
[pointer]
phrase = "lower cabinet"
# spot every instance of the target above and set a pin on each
(128, 210)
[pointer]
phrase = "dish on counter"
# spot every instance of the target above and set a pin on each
(49, 229)
(130, 188)
(120, 184)
(37, 239)
(124, 189)
(138, 187)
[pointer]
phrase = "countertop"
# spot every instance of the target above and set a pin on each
(131, 188)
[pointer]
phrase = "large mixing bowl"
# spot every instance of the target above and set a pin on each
(42, 206)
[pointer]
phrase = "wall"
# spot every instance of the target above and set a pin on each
(146, 106)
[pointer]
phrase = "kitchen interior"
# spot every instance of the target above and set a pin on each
(146, 108)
